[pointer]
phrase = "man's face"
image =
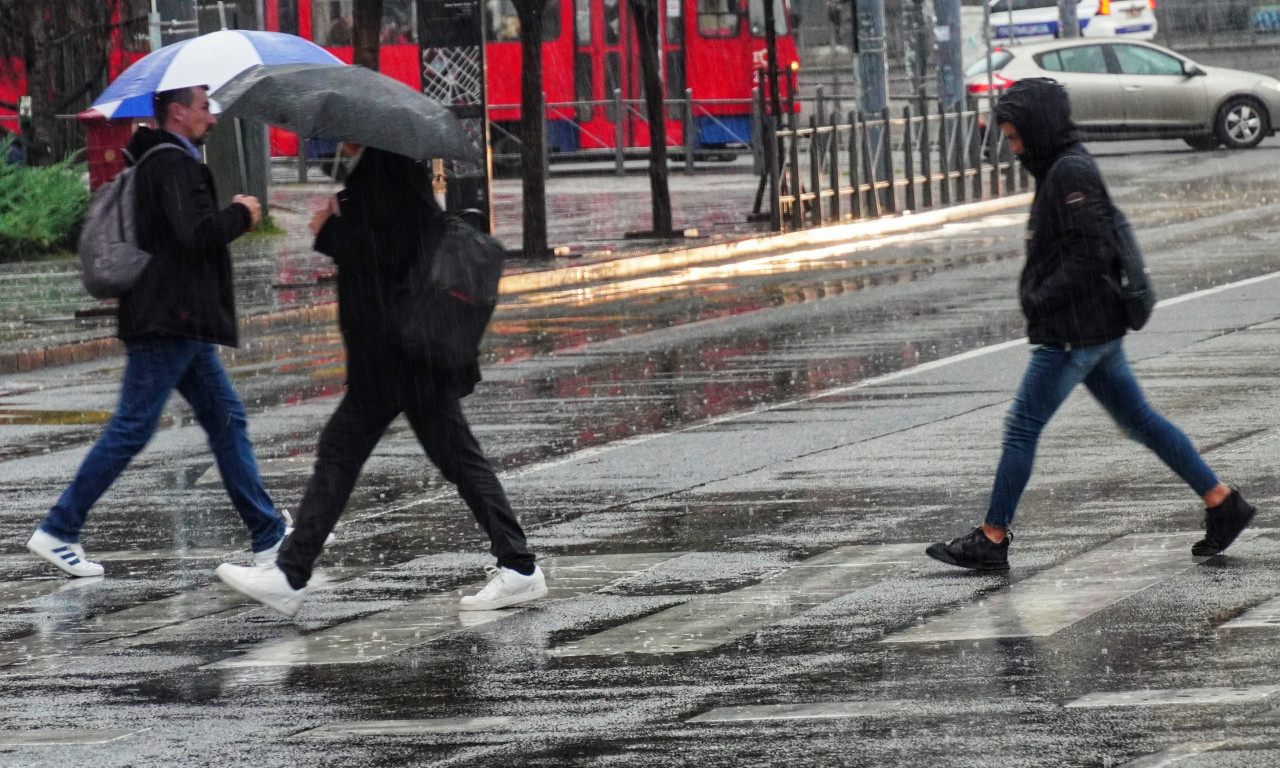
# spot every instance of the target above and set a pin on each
(1015, 141)
(193, 121)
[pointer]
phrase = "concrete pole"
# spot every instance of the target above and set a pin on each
(869, 19)
(1068, 22)
(950, 55)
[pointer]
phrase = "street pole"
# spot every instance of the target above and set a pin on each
(950, 55)
(1068, 22)
(871, 64)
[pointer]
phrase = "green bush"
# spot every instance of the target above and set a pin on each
(41, 209)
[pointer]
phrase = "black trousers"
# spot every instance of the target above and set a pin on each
(435, 414)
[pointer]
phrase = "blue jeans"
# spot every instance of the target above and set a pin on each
(155, 368)
(1051, 375)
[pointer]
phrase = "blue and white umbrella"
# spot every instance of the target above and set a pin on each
(210, 60)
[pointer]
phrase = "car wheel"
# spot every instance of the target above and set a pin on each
(1202, 143)
(1241, 123)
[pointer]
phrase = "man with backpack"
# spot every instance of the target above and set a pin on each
(1070, 291)
(171, 319)
(375, 230)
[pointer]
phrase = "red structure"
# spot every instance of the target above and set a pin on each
(713, 47)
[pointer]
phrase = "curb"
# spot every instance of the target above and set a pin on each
(624, 266)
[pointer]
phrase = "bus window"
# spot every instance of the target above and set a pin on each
(756, 13)
(504, 25)
(582, 22)
(583, 83)
(612, 22)
(612, 82)
(331, 22)
(675, 22)
(718, 18)
(399, 22)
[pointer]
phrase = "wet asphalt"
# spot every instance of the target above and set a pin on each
(730, 473)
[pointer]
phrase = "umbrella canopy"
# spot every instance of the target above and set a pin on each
(210, 60)
(350, 104)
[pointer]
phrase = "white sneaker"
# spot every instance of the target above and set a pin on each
(67, 556)
(268, 556)
(506, 588)
(265, 583)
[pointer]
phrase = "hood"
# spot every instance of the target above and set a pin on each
(400, 186)
(145, 138)
(1039, 109)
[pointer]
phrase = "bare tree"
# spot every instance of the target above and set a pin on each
(63, 46)
(366, 29)
(648, 14)
(532, 184)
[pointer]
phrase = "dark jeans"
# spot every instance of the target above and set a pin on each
(156, 367)
(1051, 375)
(435, 414)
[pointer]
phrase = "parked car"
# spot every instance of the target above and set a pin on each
(1122, 89)
(1026, 21)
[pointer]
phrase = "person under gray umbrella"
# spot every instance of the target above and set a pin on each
(373, 230)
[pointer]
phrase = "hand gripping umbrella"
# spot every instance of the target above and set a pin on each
(351, 104)
(210, 60)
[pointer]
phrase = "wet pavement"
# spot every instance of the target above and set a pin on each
(731, 471)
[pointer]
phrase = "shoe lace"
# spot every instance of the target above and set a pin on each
(495, 585)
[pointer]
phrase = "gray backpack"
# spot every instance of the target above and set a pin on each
(110, 258)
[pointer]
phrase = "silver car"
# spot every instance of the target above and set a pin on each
(1128, 89)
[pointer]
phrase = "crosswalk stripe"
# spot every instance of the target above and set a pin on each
(1174, 696)
(424, 621)
(1175, 754)
(129, 627)
(708, 621)
(1264, 615)
(1065, 594)
(345, 731)
(14, 592)
(816, 711)
(59, 737)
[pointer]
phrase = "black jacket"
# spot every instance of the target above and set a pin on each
(1069, 288)
(385, 208)
(186, 289)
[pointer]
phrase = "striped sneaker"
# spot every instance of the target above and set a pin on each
(67, 556)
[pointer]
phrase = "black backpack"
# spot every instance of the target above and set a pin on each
(449, 292)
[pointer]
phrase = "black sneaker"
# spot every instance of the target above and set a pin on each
(1222, 524)
(974, 551)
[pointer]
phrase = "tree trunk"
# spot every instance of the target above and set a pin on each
(532, 183)
(366, 28)
(40, 65)
(647, 14)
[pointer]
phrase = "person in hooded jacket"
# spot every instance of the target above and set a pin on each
(1076, 322)
(373, 229)
(171, 321)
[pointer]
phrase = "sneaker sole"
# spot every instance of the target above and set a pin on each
(67, 569)
(943, 556)
(506, 602)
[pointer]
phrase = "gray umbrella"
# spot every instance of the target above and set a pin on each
(346, 103)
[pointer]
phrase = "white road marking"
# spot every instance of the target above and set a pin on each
(1059, 597)
(707, 621)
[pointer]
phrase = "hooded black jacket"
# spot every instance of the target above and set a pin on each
(385, 206)
(186, 289)
(1069, 288)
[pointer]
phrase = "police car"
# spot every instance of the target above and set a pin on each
(1025, 21)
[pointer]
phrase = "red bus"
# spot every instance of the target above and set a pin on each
(712, 47)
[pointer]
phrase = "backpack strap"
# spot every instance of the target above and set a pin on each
(157, 148)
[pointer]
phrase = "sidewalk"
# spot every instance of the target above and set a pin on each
(46, 319)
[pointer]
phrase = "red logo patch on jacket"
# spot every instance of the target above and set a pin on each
(1075, 200)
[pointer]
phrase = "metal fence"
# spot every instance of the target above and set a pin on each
(864, 166)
